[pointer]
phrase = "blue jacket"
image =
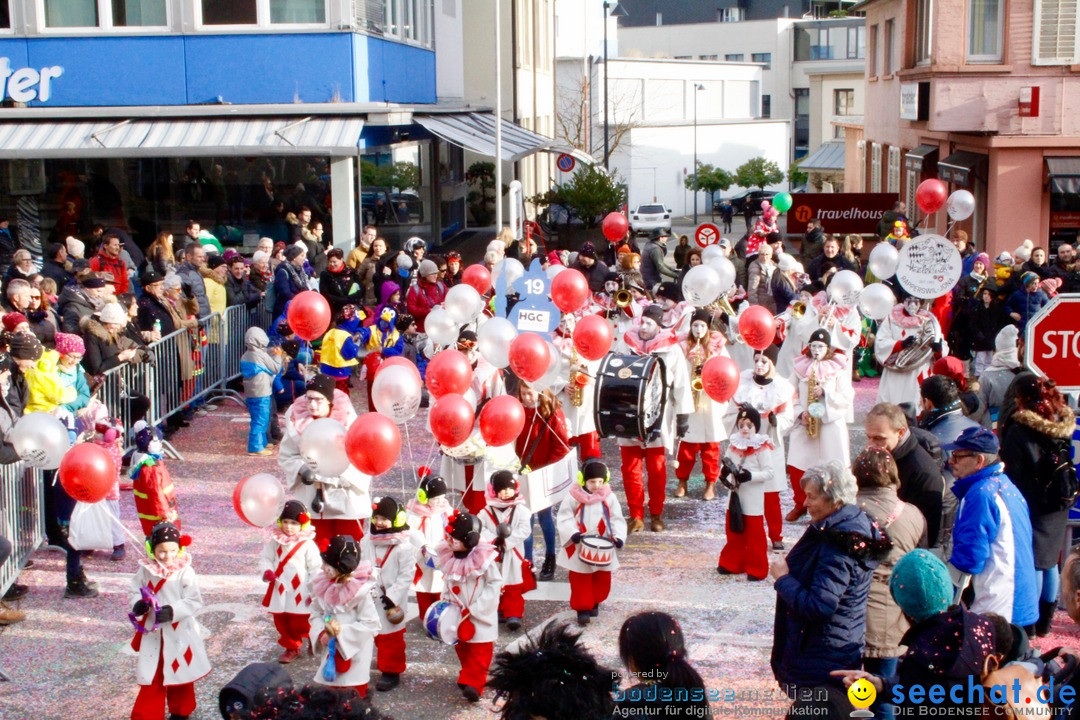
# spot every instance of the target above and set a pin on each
(1025, 304)
(1003, 573)
(821, 603)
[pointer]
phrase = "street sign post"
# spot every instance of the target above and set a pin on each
(707, 234)
(1052, 342)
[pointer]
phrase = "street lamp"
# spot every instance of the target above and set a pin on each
(619, 11)
(697, 86)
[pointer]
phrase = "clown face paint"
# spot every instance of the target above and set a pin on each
(818, 350)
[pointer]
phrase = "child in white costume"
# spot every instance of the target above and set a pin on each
(748, 467)
(427, 514)
(395, 557)
(289, 560)
(506, 524)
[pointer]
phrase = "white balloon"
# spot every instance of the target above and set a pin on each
(726, 270)
(404, 261)
(551, 376)
(876, 300)
(845, 287)
(441, 326)
(701, 285)
(493, 341)
(322, 445)
(40, 440)
(553, 270)
(396, 393)
(960, 205)
(463, 303)
(883, 261)
(513, 270)
(262, 497)
(710, 252)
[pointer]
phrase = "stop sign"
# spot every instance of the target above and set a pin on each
(1052, 342)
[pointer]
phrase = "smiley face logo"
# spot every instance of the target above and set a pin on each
(861, 693)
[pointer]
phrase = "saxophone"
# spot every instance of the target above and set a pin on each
(697, 361)
(813, 424)
(578, 381)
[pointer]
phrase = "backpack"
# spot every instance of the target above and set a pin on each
(1059, 486)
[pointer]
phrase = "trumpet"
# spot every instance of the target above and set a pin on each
(623, 298)
(798, 309)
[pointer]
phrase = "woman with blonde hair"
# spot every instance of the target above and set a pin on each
(160, 254)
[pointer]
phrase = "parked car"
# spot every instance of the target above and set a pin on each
(646, 218)
(738, 202)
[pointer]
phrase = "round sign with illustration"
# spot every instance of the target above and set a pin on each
(929, 266)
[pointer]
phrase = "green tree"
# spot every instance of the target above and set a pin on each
(403, 176)
(796, 176)
(591, 194)
(758, 172)
(481, 198)
(709, 179)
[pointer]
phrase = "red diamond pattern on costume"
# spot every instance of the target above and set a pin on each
(280, 589)
(298, 598)
(175, 666)
(188, 655)
(601, 528)
(279, 551)
(176, 625)
(295, 582)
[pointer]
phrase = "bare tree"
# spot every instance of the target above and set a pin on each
(579, 131)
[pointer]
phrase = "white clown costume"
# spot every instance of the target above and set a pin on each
(706, 428)
(906, 323)
(395, 559)
(747, 550)
(427, 514)
(514, 517)
(288, 562)
(580, 418)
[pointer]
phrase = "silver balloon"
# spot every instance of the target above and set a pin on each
(404, 261)
(396, 393)
(551, 376)
(441, 326)
(960, 205)
(883, 261)
(40, 440)
(726, 270)
(553, 270)
(710, 252)
(493, 340)
(463, 303)
(845, 287)
(322, 445)
(876, 301)
(262, 498)
(513, 269)
(701, 285)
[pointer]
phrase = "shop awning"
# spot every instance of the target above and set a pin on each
(1064, 174)
(476, 132)
(960, 168)
(829, 157)
(181, 137)
(920, 156)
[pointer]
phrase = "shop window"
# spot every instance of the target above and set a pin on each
(234, 12)
(297, 12)
(139, 13)
(71, 13)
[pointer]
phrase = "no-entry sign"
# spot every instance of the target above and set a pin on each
(1052, 342)
(707, 234)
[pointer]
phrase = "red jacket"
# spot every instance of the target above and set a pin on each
(155, 496)
(103, 263)
(422, 297)
(543, 442)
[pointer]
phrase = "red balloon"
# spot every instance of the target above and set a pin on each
(449, 372)
(529, 356)
(615, 226)
(502, 420)
(757, 327)
(931, 195)
(720, 377)
(478, 277)
(569, 290)
(308, 315)
(398, 360)
(592, 336)
(373, 443)
(87, 472)
(451, 420)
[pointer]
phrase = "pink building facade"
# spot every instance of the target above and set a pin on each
(984, 95)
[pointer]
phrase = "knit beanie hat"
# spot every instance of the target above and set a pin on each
(503, 480)
(984, 259)
(75, 247)
(145, 433)
(12, 320)
(427, 267)
(1004, 258)
(749, 412)
(165, 532)
(342, 553)
(921, 585)
(296, 511)
(70, 344)
(1023, 253)
(292, 252)
(322, 384)
(701, 315)
(772, 352)
(820, 335)
(587, 250)
(215, 261)
(25, 346)
(654, 313)
(1025, 279)
(594, 469)
(464, 527)
(385, 507)
(431, 486)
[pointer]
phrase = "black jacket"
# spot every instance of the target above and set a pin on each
(241, 292)
(921, 483)
(595, 275)
(340, 288)
(150, 310)
(75, 305)
(821, 264)
(56, 271)
(813, 245)
(12, 404)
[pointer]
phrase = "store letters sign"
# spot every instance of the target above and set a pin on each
(26, 84)
(839, 212)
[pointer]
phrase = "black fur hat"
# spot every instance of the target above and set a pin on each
(342, 554)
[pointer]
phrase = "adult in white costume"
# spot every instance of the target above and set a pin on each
(908, 327)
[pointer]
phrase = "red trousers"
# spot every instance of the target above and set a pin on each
(512, 601)
(773, 517)
(587, 590)
(748, 551)
(425, 600)
(342, 384)
(710, 460)
(390, 652)
(475, 660)
(589, 444)
(150, 703)
(293, 628)
(329, 527)
(633, 457)
(796, 486)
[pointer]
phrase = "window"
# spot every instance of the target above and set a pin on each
(139, 13)
(71, 13)
(766, 106)
(887, 64)
(237, 12)
(844, 102)
(410, 20)
(923, 21)
(871, 60)
(730, 14)
(659, 19)
(5, 15)
(734, 57)
(875, 167)
(829, 43)
(893, 185)
(856, 42)
(708, 57)
(1055, 33)
(838, 132)
(802, 121)
(297, 12)
(683, 57)
(984, 31)
(762, 58)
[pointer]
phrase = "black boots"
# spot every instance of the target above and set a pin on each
(1046, 616)
(547, 571)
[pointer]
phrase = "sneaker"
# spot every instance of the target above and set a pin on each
(10, 616)
(80, 589)
(388, 681)
(778, 545)
(720, 569)
(118, 553)
(288, 656)
(262, 453)
(547, 571)
(470, 693)
(513, 624)
(16, 591)
(583, 617)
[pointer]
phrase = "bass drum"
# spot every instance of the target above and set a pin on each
(630, 393)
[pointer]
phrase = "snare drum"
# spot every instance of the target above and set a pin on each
(629, 394)
(596, 551)
(441, 622)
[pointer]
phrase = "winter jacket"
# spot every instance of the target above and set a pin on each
(215, 291)
(152, 310)
(316, 253)
(422, 297)
(288, 283)
(58, 273)
(759, 285)
(193, 284)
(595, 275)
(542, 442)
(906, 528)
(154, 491)
(947, 426)
(257, 365)
(43, 324)
(992, 542)
(11, 409)
(241, 292)
(820, 621)
(654, 264)
(366, 277)
(75, 305)
(813, 245)
(1070, 277)
(104, 263)
(817, 269)
(75, 378)
(783, 291)
(1025, 305)
(47, 390)
(921, 484)
(338, 353)
(340, 288)
(103, 347)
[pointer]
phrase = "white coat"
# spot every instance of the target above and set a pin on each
(602, 517)
(831, 442)
(289, 592)
(845, 330)
(707, 421)
(395, 557)
(755, 455)
(179, 643)
(580, 419)
(426, 531)
(777, 397)
(680, 397)
(518, 517)
(900, 387)
(474, 585)
(355, 642)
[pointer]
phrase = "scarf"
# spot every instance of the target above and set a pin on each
(390, 538)
(295, 279)
(286, 540)
(584, 497)
(434, 506)
(343, 594)
(901, 318)
(165, 571)
(745, 447)
(472, 565)
(502, 504)
(822, 369)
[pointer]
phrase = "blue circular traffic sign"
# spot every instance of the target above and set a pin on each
(565, 162)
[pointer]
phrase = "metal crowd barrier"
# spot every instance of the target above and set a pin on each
(22, 517)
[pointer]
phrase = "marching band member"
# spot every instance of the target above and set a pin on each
(843, 323)
(706, 430)
(649, 337)
(821, 404)
(773, 396)
(908, 342)
(506, 522)
(396, 560)
(748, 468)
(426, 515)
(677, 311)
(578, 397)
